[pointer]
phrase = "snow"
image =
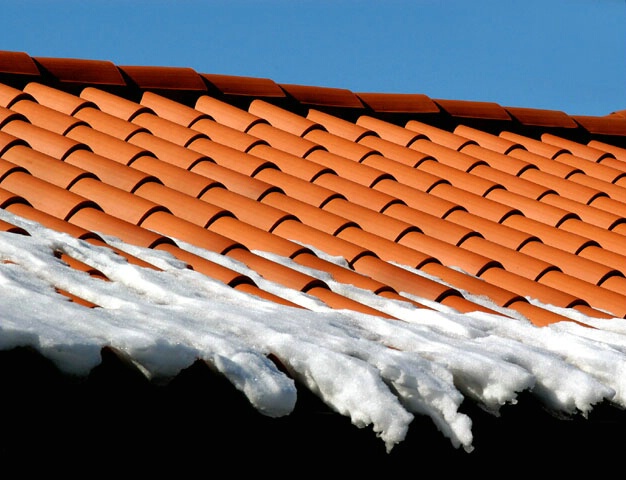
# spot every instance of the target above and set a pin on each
(380, 373)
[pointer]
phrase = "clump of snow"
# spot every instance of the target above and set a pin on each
(378, 372)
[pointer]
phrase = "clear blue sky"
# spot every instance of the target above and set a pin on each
(568, 55)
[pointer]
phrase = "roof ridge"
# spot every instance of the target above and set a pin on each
(185, 84)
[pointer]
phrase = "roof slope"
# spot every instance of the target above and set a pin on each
(445, 204)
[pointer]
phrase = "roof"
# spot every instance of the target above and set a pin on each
(511, 211)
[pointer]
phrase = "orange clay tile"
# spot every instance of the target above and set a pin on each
(512, 183)
(289, 163)
(251, 187)
(399, 102)
(252, 289)
(98, 221)
(81, 266)
(231, 158)
(447, 253)
(113, 104)
(615, 283)
(9, 227)
(550, 235)
(78, 71)
(438, 135)
(227, 114)
(155, 77)
(399, 153)
(109, 171)
(487, 140)
(493, 231)
(614, 163)
(519, 263)
(356, 172)
(338, 126)
(593, 312)
(386, 249)
(332, 245)
(243, 86)
(496, 160)
(311, 193)
(322, 96)
(393, 295)
(46, 117)
(339, 302)
(9, 141)
(184, 206)
(7, 199)
(56, 99)
(422, 201)
(483, 207)
(10, 95)
(429, 224)
(43, 140)
(276, 272)
(463, 305)
(204, 266)
(530, 288)
(473, 109)
(254, 238)
(225, 135)
(178, 229)
(607, 125)
(107, 145)
(607, 239)
(343, 274)
(258, 214)
(389, 131)
(50, 169)
(597, 297)
(587, 213)
(338, 145)
(76, 299)
(167, 151)
(7, 116)
(459, 178)
(370, 220)
(474, 285)
(577, 149)
(167, 129)
(46, 196)
(18, 63)
(409, 176)
(106, 123)
(7, 168)
(597, 170)
(115, 201)
(618, 152)
(446, 155)
(538, 316)
(403, 280)
(535, 209)
(563, 187)
(574, 265)
(604, 256)
(359, 194)
(178, 178)
(544, 164)
(541, 118)
(171, 110)
(308, 214)
(282, 119)
(282, 140)
(534, 146)
(616, 207)
(620, 228)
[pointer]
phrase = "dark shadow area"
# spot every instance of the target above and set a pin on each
(115, 421)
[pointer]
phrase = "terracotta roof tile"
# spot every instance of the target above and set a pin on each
(81, 71)
(43, 140)
(473, 109)
(322, 96)
(244, 86)
(541, 117)
(227, 114)
(338, 126)
(115, 105)
(56, 99)
(399, 102)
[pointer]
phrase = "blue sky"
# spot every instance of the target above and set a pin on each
(567, 55)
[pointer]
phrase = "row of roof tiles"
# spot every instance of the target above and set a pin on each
(522, 217)
(183, 83)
